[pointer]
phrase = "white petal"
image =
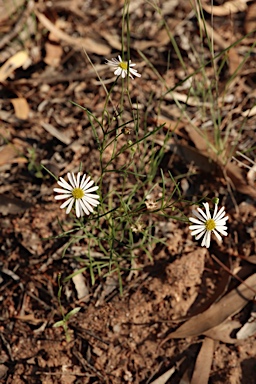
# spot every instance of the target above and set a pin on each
(69, 201)
(196, 226)
(64, 184)
(72, 179)
(92, 195)
(83, 206)
(217, 235)
(90, 201)
(88, 191)
(59, 190)
(88, 185)
(207, 239)
(83, 181)
(200, 234)
(124, 73)
(220, 214)
(78, 180)
(88, 206)
(197, 231)
(118, 71)
(78, 210)
(208, 215)
(196, 221)
(203, 214)
(134, 72)
(215, 211)
(60, 197)
(120, 59)
(200, 217)
(221, 222)
(222, 231)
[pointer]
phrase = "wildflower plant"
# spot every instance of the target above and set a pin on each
(129, 170)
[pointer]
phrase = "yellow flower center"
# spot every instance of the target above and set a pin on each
(78, 193)
(123, 65)
(210, 225)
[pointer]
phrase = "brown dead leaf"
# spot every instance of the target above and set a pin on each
(30, 318)
(164, 377)
(7, 154)
(11, 205)
(250, 18)
(16, 61)
(53, 54)
(251, 176)
(226, 8)
(56, 133)
(249, 112)
(81, 287)
(223, 331)
(203, 364)
(234, 60)
(251, 259)
(249, 328)
(238, 181)
(21, 108)
(228, 306)
(89, 44)
(192, 155)
(231, 171)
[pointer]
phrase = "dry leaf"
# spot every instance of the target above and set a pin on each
(223, 331)
(192, 155)
(11, 205)
(13, 63)
(89, 44)
(21, 108)
(251, 176)
(234, 60)
(250, 18)
(249, 328)
(80, 286)
(227, 8)
(238, 180)
(249, 112)
(30, 318)
(164, 377)
(53, 54)
(56, 133)
(228, 306)
(203, 364)
(7, 154)
(231, 170)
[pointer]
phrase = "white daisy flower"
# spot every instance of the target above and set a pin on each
(205, 224)
(121, 67)
(78, 192)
